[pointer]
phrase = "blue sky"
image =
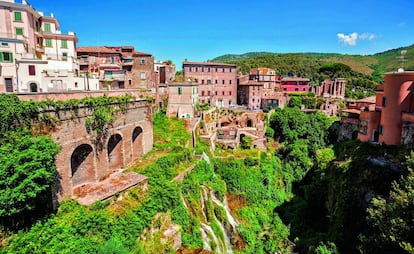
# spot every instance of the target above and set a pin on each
(201, 30)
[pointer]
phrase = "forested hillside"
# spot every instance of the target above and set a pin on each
(363, 73)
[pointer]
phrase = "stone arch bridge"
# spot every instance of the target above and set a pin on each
(83, 161)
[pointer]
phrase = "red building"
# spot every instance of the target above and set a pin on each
(217, 82)
(294, 84)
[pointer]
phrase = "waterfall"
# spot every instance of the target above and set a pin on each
(225, 205)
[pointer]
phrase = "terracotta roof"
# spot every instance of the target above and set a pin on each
(371, 99)
(208, 64)
(137, 53)
(294, 79)
(353, 111)
(95, 49)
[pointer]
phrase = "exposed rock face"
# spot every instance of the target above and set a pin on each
(163, 234)
(340, 131)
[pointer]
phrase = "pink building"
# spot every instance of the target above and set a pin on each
(294, 84)
(182, 100)
(389, 118)
(217, 82)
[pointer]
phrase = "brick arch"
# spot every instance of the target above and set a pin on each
(137, 142)
(82, 165)
(115, 152)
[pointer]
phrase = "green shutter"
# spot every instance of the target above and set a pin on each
(47, 27)
(48, 42)
(19, 31)
(64, 43)
(17, 16)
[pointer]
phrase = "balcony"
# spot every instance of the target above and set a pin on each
(114, 77)
(39, 48)
(110, 66)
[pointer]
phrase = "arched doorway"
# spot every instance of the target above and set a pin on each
(82, 165)
(33, 87)
(115, 153)
(137, 149)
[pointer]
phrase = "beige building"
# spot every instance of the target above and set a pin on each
(35, 56)
(182, 100)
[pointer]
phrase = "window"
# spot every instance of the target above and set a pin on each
(216, 69)
(208, 93)
(92, 59)
(180, 90)
(208, 69)
(6, 57)
(64, 56)
(202, 69)
(216, 92)
(48, 42)
(64, 44)
(76, 84)
(216, 81)
(208, 81)
(17, 16)
(384, 101)
(381, 129)
(196, 69)
(142, 75)
(230, 70)
(112, 59)
(32, 70)
(47, 27)
(142, 62)
(202, 93)
(222, 93)
(230, 81)
(230, 93)
(19, 31)
(222, 81)
(224, 70)
(129, 82)
(202, 81)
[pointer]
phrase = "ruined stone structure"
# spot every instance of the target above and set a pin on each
(86, 159)
(227, 127)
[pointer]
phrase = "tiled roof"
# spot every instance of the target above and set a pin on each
(370, 99)
(95, 49)
(208, 64)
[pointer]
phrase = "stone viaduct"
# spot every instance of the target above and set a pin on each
(85, 160)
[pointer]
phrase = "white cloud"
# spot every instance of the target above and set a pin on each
(366, 36)
(349, 39)
(352, 38)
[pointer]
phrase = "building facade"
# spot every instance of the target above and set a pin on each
(294, 84)
(182, 100)
(389, 118)
(117, 67)
(217, 82)
(35, 56)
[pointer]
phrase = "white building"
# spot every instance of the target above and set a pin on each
(34, 54)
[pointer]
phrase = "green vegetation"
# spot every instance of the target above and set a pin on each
(308, 196)
(363, 73)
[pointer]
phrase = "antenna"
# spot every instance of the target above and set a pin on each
(402, 59)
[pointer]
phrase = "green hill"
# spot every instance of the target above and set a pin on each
(308, 64)
(363, 72)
